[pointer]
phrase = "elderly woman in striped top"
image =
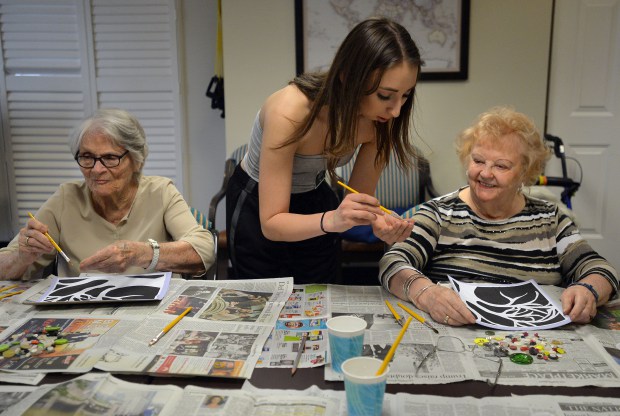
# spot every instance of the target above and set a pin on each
(491, 231)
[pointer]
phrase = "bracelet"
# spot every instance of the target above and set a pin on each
(155, 245)
(587, 286)
(407, 283)
(417, 295)
(322, 228)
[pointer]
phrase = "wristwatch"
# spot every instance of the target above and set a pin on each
(155, 246)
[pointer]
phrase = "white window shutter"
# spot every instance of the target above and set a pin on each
(60, 60)
(136, 69)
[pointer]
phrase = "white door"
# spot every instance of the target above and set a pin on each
(584, 111)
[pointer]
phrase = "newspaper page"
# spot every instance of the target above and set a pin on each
(104, 394)
(605, 330)
(307, 301)
(42, 344)
(424, 405)
(11, 395)
(561, 357)
(10, 312)
(97, 394)
(223, 335)
(305, 311)
(200, 401)
(101, 393)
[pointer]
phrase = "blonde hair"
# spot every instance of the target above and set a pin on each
(498, 122)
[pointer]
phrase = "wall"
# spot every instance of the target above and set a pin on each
(259, 58)
(508, 59)
(206, 145)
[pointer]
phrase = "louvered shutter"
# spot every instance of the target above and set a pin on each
(63, 59)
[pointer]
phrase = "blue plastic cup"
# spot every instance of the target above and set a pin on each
(346, 339)
(364, 389)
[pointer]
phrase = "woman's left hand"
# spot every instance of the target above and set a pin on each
(391, 229)
(579, 304)
(117, 257)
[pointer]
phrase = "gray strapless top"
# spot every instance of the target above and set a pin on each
(308, 170)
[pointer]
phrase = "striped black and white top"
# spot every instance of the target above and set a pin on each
(539, 243)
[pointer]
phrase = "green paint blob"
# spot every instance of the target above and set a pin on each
(520, 358)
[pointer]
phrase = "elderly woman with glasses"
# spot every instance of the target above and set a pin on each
(493, 231)
(115, 220)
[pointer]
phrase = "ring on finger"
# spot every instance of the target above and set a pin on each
(27, 238)
(446, 319)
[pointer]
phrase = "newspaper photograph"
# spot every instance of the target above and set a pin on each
(223, 334)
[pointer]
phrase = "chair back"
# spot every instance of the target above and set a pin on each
(399, 190)
(220, 236)
(201, 219)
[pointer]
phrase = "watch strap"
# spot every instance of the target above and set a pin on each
(155, 245)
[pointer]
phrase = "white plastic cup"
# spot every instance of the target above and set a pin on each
(346, 338)
(364, 389)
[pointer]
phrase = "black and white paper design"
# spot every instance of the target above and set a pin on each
(107, 288)
(523, 306)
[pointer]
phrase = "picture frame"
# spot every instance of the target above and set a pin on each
(442, 36)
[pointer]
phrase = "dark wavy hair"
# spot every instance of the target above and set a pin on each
(372, 47)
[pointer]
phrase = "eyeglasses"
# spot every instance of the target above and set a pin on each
(451, 344)
(109, 161)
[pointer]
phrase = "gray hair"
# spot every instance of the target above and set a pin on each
(121, 127)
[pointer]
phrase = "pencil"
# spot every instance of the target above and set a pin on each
(302, 347)
(399, 320)
(169, 326)
(8, 295)
(416, 316)
(56, 246)
(384, 209)
(8, 288)
(392, 350)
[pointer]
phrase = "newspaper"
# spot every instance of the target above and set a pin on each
(605, 330)
(306, 310)
(87, 340)
(582, 357)
(423, 405)
(227, 335)
(99, 393)
(222, 336)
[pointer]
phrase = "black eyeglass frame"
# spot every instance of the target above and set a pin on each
(101, 160)
(465, 349)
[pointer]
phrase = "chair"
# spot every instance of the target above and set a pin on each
(221, 245)
(397, 190)
(200, 218)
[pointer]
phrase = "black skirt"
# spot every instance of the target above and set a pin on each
(253, 256)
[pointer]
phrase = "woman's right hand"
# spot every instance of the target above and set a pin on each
(445, 306)
(355, 209)
(32, 241)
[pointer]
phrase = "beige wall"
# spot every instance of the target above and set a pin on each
(508, 57)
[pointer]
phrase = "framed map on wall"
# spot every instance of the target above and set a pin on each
(440, 28)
